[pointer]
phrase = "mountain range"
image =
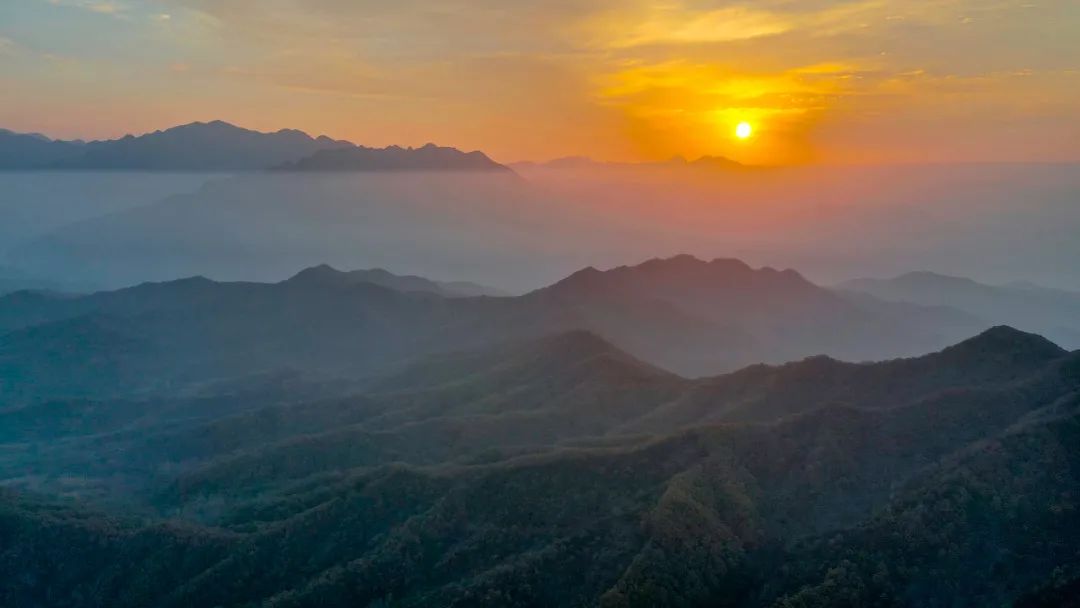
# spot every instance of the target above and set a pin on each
(614, 439)
(560, 471)
(33, 150)
(324, 274)
(264, 225)
(220, 146)
(1050, 312)
(683, 314)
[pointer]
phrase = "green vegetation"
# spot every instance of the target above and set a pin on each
(236, 467)
(503, 477)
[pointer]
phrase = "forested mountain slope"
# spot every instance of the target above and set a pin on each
(938, 488)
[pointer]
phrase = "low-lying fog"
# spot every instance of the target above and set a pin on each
(995, 223)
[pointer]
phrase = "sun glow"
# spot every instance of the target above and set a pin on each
(744, 130)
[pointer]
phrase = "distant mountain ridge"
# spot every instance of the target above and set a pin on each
(778, 313)
(32, 151)
(326, 274)
(220, 146)
(198, 146)
(683, 314)
(1054, 313)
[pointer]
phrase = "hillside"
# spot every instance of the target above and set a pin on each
(798, 510)
(356, 438)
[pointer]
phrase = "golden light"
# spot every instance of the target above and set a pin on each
(744, 130)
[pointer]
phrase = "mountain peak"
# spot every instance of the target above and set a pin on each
(681, 260)
(734, 264)
(208, 126)
(320, 273)
(684, 269)
(716, 269)
(326, 275)
(1006, 340)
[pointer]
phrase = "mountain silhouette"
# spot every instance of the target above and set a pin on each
(787, 316)
(682, 314)
(198, 146)
(220, 146)
(20, 151)
(325, 274)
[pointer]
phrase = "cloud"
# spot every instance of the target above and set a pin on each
(672, 24)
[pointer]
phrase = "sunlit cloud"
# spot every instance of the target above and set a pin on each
(672, 24)
(701, 102)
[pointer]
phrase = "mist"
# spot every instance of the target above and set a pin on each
(994, 223)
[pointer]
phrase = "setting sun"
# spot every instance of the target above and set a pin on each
(744, 130)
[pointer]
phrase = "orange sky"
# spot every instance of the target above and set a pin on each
(822, 81)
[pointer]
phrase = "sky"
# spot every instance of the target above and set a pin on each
(846, 81)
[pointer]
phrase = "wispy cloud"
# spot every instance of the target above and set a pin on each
(672, 24)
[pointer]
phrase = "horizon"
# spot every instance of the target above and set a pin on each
(820, 82)
(542, 161)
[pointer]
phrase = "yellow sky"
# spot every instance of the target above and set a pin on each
(821, 81)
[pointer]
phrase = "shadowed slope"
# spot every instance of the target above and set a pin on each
(837, 503)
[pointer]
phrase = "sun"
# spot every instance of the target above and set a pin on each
(744, 130)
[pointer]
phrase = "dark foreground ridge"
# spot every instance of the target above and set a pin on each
(548, 471)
